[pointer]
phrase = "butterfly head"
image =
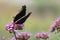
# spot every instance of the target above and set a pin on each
(24, 7)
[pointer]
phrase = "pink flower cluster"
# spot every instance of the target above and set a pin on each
(42, 35)
(12, 26)
(55, 26)
(22, 36)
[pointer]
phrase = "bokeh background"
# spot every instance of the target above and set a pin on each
(44, 12)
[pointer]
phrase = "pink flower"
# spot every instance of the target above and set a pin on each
(9, 27)
(25, 35)
(13, 38)
(38, 35)
(22, 36)
(42, 35)
(3, 38)
(57, 20)
(52, 27)
(55, 25)
(12, 26)
(19, 26)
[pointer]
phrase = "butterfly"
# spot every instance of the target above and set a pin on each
(21, 17)
(18, 21)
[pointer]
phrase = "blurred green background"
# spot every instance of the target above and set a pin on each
(44, 12)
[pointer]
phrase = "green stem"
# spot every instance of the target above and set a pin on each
(15, 35)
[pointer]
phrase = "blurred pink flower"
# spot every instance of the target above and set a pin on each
(22, 36)
(55, 25)
(38, 35)
(3, 38)
(25, 35)
(42, 35)
(13, 38)
(52, 27)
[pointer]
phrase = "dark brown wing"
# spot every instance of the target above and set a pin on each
(23, 19)
(20, 14)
